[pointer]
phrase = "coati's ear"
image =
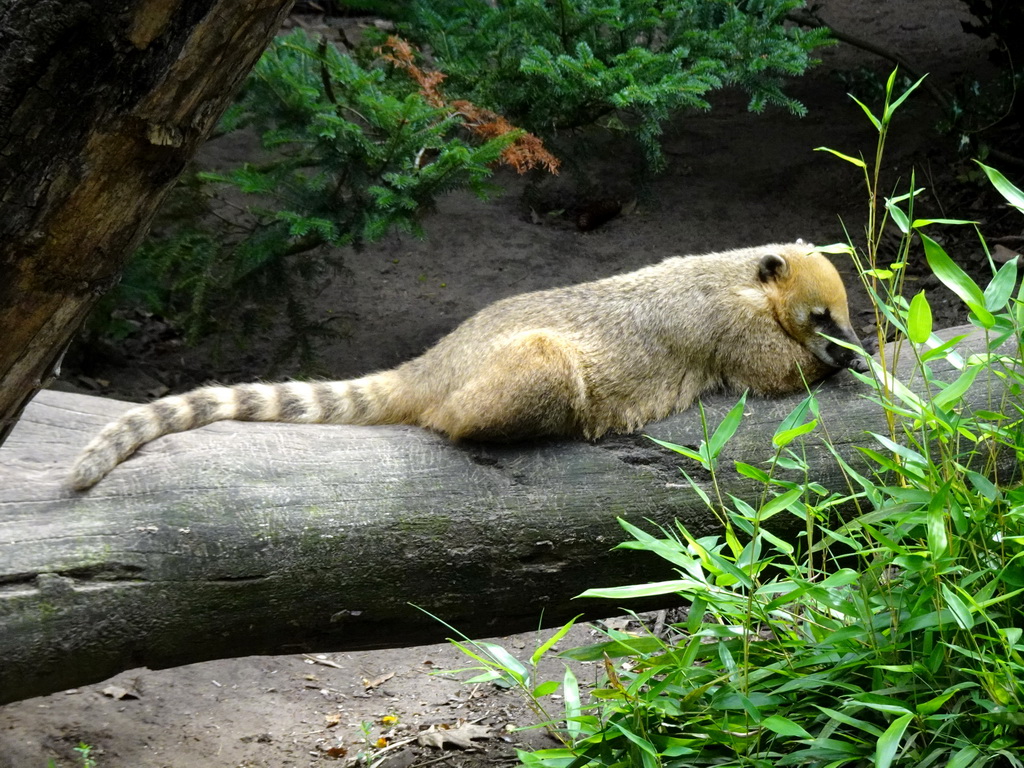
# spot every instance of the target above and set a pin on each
(772, 267)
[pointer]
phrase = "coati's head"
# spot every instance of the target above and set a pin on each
(809, 299)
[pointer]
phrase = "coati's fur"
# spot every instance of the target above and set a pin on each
(609, 355)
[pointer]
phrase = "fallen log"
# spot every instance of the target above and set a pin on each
(242, 538)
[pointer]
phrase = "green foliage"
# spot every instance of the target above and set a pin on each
(352, 152)
(360, 153)
(550, 66)
(85, 752)
(894, 637)
(493, 663)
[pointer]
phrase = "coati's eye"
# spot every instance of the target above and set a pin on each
(820, 316)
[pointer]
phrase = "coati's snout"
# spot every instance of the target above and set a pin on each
(823, 324)
(809, 301)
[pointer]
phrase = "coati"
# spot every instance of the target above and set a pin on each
(605, 356)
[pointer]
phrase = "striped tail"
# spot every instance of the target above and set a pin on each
(359, 401)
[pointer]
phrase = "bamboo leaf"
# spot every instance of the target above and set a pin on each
(958, 281)
(938, 541)
(856, 161)
(835, 248)
(785, 727)
(889, 742)
(918, 223)
(645, 590)
(728, 427)
(951, 394)
(545, 647)
(891, 108)
(573, 704)
(871, 116)
(641, 742)
(961, 613)
(964, 757)
(782, 439)
(1010, 193)
(998, 292)
(780, 503)
(680, 449)
(505, 660)
(919, 319)
(544, 689)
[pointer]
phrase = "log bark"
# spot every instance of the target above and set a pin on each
(244, 538)
(101, 106)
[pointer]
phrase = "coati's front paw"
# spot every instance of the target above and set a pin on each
(859, 364)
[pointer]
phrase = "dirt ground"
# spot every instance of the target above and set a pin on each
(734, 179)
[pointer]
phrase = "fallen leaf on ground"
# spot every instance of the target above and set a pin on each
(460, 736)
(117, 692)
(1001, 254)
(310, 659)
(619, 624)
(368, 684)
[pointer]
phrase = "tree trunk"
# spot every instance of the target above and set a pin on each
(101, 106)
(244, 538)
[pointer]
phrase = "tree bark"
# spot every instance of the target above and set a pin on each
(101, 106)
(244, 538)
